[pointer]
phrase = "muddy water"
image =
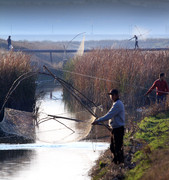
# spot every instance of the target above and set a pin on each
(57, 152)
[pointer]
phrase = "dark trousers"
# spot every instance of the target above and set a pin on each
(161, 98)
(136, 45)
(116, 145)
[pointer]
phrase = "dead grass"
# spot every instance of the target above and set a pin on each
(160, 166)
(13, 65)
(132, 72)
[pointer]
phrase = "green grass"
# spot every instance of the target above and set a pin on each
(154, 130)
(138, 171)
(153, 134)
(101, 173)
(150, 160)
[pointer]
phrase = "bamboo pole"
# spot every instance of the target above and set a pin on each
(68, 87)
(71, 119)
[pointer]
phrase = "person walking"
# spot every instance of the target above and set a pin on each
(116, 115)
(161, 88)
(9, 43)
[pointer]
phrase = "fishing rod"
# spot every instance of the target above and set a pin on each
(67, 86)
(70, 86)
(74, 92)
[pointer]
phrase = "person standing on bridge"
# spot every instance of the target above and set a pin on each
(136, 42)
(9, 43)
(116, 115)
(161, 88)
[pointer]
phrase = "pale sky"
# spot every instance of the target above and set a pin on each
(70, 17)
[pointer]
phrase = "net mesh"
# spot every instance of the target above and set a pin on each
(18, 123)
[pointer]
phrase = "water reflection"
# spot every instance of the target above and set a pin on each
(14, 161)
(54, 132)
(52, 157)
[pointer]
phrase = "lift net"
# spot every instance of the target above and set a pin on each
(17, 125)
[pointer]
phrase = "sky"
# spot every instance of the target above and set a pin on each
(47, 19)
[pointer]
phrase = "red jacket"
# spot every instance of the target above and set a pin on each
(161, 87)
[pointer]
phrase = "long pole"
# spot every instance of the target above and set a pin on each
(68, 88)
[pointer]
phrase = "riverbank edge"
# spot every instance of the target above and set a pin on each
(18, 87)
(146, 153)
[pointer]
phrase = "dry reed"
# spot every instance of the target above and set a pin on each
(131, 72)
(13, 65)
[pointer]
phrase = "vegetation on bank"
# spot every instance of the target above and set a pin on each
(12, 66)
(153, 134)
(148, 161)
(132, 72)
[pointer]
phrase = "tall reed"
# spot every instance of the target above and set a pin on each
(13, 65)
(131, 72)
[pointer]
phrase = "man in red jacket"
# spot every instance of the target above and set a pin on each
(161, 88)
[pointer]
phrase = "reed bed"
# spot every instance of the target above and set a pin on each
(131, 72)
(12, 66)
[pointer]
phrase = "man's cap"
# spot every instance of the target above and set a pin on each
(113, 92)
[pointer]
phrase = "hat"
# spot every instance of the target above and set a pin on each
(113, 92)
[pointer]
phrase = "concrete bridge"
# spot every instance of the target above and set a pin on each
(50, 51)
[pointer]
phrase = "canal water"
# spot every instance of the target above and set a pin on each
(58, 152)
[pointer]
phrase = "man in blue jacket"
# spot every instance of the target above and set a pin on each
(116, 115)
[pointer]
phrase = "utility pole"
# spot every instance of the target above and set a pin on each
(11, 29)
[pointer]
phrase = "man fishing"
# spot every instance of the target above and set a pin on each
(116, 115)
(136, 42)
(161, 88)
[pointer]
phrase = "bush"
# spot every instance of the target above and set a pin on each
(13, 65)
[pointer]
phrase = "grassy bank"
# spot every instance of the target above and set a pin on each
(132, 72)
(152, 159)
(12, 66)
(149, 160)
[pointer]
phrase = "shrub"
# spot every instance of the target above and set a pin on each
(13, 65)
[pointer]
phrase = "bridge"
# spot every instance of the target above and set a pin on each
(50, 51)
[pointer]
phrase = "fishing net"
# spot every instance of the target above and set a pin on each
(18, 125)
(57, 126)
(73, 127)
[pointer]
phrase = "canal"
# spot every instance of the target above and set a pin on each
(59, 152)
